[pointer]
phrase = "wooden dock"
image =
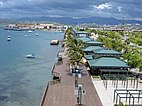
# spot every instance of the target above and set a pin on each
(61, 92)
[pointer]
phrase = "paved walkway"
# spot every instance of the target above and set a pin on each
(106, 96)
(62, 94)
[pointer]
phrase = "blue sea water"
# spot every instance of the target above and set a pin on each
(22, 80)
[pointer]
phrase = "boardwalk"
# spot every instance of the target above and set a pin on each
(62, 94)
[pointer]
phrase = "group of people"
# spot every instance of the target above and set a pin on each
(74, 68)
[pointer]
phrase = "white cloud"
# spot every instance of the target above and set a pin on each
(1, 3)
(71, 8)
(140, 19)
(104, 6)
(119, 8)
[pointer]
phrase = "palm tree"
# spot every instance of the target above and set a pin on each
(74, 49)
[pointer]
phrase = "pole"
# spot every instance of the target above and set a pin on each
(76, 80)
(79, 98)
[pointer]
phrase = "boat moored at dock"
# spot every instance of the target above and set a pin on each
(54, 42)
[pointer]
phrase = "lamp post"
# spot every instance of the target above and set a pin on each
(77, 75)
(79, 92)
(78, 88)
(79, 97)
(76, 80)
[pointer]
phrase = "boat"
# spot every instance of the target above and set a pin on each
(54, 42)
(32, 55)
(36, 34)
(15, 29)
(30, 31)
(25, 35)
(9, 38)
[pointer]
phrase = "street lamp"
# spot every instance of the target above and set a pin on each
(79, 92)
(78, 88)
(77, 75)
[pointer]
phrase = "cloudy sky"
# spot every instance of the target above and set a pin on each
(130, 9)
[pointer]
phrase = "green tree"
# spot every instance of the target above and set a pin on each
(74, 49)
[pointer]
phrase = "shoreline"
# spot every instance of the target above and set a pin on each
(36, 26)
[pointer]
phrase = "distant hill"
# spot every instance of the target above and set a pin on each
(69, 20)
(5, 21)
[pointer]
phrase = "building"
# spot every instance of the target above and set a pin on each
(81, 33)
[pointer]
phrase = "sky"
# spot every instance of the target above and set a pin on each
(129, 9)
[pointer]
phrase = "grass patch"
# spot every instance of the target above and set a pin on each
(96, 76)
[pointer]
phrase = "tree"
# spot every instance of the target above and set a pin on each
(69, 31)
(74, 50)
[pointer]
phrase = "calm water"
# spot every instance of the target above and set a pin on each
(22, 80)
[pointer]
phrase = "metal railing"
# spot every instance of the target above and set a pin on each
(46, 89)
(127, 94)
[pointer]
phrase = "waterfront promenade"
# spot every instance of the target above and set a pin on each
(62, 93)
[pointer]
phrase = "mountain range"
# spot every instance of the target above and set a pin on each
(70, 21)
(5, 20)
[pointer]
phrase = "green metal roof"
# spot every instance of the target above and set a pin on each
(105, 51)
(94, 42)
(84, 39)
(107, 62)
(88, 57)
(91, 48)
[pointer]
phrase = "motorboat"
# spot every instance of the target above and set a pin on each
(25, 35)
(36, 34)
(9, 38)
(54, 42)
(30, 31)
(32, 55)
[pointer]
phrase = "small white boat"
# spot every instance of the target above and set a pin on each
(9, 38)
(54, 42)
(25, 35)
(36, 34)
(30, 31)
(32, 55)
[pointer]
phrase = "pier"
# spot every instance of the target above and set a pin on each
(60, 91)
